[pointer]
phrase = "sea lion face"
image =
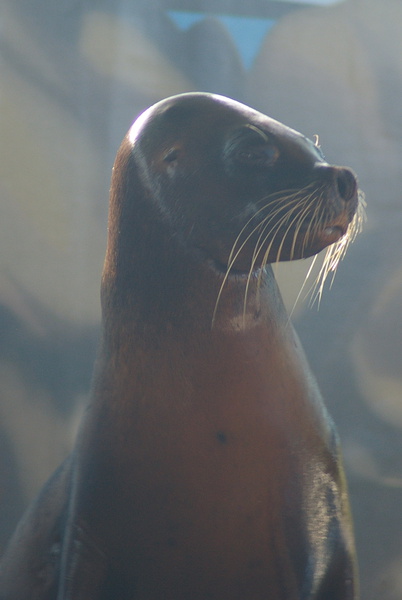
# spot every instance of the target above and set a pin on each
(241, 189)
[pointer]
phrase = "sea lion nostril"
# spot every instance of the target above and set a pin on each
(346, 183)
(342, 179)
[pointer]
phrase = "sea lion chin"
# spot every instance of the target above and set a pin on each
(206, 465)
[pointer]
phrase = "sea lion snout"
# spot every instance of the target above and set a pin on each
(347, 183)
(343, 180)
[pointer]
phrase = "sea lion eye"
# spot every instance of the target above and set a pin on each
(171, 155)
(251, 147)
(261, 155)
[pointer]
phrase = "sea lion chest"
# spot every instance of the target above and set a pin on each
(203, 456)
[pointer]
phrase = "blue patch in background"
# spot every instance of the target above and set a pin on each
(247, 33)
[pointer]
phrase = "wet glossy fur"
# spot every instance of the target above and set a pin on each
(206, 466)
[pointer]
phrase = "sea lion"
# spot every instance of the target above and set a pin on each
(206, 466)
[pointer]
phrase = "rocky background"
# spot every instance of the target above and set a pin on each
(73, 76)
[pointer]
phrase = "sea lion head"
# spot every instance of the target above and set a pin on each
(237, 187)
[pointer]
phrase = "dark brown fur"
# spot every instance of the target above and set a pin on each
(206, 466)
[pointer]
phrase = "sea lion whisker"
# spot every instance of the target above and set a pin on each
(303, 218)
(246, 290)
(265, 223)
(231, 260)
(280, 196)
(297, 225)
(259, 245)
(253, 261)
(318, 286)
(234, 256)
(315, 219)
(284, 220)
(310, 270)
(314, 223)
(299, 218)
(257, 249)
(284, 202)
(274, 232)
(300, 201)
(337, 251)
(272, 215)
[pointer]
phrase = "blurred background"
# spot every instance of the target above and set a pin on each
(73, 76)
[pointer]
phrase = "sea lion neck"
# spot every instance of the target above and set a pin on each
(154, 279)
(177, 295)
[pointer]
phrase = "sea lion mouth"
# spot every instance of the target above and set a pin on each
(252, 260)
(295, 242)
(333, 233)
(327, 233)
